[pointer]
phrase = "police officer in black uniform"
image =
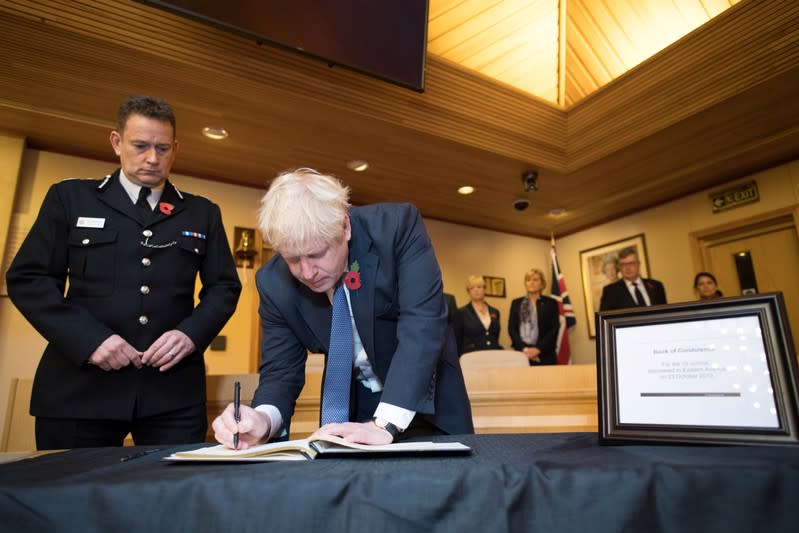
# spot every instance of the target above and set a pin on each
(126, 341)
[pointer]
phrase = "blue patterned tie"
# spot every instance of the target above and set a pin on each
(338, 372)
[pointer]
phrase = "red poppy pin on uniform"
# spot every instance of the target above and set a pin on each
(166, 208)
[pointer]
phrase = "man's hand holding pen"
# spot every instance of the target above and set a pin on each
(252, 427)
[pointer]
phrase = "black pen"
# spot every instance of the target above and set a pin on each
(236, 412)
(139, 454)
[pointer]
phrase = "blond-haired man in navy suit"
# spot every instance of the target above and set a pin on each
(403, 366)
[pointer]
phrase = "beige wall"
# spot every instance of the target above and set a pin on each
(11, 152)
(461, 251)
(666, 229)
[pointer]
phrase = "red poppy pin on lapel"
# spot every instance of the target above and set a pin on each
(352, 279)
(166, 208)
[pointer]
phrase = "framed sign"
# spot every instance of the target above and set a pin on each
(714, 372)
(599, 267)
(495, 286)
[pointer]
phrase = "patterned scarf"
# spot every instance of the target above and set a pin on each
(528, 327)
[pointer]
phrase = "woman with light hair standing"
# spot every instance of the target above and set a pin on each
(533, 323)
(477, 324)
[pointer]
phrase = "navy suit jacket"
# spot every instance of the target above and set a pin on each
(399, 312)
(548, 327)
(616, 296)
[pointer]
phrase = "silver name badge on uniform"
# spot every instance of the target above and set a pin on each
(90, 222)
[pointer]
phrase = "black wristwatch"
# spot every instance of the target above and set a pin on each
(388, 426)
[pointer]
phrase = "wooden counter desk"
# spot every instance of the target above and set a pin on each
(533, 399)
(540, 399)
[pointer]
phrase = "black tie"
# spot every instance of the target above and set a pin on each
(145, 211)
(639, 298)
(143, 204)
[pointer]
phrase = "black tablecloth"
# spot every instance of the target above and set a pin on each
(552, 483)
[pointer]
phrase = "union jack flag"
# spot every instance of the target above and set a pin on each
(567, 319)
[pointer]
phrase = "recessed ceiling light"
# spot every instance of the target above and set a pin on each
(466, 189)
(556, 212)
(357, 165)
(214, 132)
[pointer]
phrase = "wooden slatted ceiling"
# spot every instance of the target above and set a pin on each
(736, 52)
(203, 57)
(516, 41)
(512, 41)
(66, 64)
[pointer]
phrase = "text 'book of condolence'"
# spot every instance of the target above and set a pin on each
(320, 447)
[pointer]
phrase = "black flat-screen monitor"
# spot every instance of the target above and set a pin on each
(386, 38)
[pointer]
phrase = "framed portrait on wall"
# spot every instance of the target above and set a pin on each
(495, 286)
(599, 267)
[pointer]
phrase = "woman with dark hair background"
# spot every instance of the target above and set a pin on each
(706, 286)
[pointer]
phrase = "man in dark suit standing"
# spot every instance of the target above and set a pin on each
(400, 366)
(125, 345)
(452, 307)
(631, 290)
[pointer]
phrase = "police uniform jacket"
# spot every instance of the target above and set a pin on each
(128, 273)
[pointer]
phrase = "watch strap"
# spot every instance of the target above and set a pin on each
(393, 430)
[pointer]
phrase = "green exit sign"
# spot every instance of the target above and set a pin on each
(743, 194)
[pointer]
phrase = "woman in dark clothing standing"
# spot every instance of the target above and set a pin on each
(477, 323)
(534, 322)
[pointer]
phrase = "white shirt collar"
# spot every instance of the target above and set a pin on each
(133, 190)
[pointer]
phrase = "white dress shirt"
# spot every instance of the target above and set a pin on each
(366, 377)
(133, 190)
(641, 287)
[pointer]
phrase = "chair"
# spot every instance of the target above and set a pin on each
(493, 359)
(19, 432)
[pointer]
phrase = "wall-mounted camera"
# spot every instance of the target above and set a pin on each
(530, 180)
(520, 204)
